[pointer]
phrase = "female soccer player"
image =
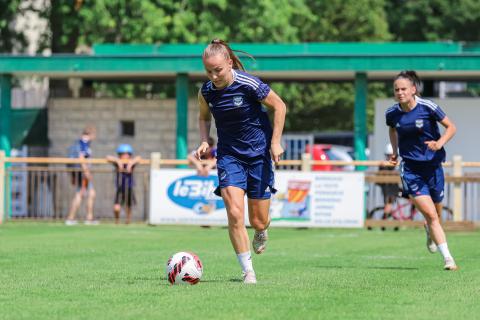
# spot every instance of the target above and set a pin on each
(414, 130)
(246, 145)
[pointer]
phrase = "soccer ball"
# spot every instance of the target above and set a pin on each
(184, 268)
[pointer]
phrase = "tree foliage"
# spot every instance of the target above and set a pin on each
(434, 20)
(10, 39)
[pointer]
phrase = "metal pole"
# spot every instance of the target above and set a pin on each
(360, 117)
(5, 136)
(182, 115)
(2, 186)
(5, 112)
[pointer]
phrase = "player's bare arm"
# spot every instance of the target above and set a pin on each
(204, 124)
(274, 102)
(450, 130)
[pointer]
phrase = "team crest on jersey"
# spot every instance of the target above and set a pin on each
(419, 123)
(223, 175)
(238, 101)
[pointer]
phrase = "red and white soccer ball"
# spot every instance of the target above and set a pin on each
(184, 268)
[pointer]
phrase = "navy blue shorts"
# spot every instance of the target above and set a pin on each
(423, 179)
(256, 176)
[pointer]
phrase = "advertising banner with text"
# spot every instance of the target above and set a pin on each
(303, 199)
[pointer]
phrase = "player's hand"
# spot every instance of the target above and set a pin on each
(276, 151)
(433, 145)
(393, 159)
(201, 150)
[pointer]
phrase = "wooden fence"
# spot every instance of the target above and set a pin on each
(457, 181)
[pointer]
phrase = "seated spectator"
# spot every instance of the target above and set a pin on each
(208, 162)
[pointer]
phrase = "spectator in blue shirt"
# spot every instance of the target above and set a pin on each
(83, 178)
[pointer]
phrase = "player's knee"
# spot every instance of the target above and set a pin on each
(259, 223)
(236, 223)
(116, 207)
(235, 218)
(431, 217)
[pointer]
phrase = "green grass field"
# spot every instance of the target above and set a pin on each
(50, 271)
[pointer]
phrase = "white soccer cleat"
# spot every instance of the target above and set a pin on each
(69, 222)
(259, 242)
(450, 265)
(431, 246)
(249, 277)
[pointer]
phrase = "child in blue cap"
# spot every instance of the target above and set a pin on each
(124, 164)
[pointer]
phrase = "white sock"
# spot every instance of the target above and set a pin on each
(443, 247)
(245, 260)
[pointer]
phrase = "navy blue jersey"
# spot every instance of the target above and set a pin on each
(243, 126)
(123, 179)
(414, 128)
(84, 148)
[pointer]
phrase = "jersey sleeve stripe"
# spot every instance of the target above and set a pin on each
(391, 109)
(248, 84)
(246, 77)
(432, 105)
(248, 81)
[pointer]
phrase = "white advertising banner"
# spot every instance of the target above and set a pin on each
(318, 199)
(304, 199)
(179, 196)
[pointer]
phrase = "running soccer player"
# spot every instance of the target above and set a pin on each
(247, 144)
(414, 130)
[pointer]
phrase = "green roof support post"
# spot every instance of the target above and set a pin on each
(5, 137)
(360, 117)
(5, 112)
(182, 116)
(360, 124)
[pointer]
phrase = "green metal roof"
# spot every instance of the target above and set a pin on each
(308, 61)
